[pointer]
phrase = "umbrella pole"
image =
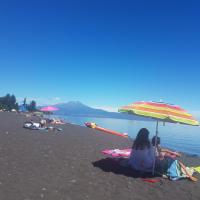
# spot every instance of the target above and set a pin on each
(154, 161)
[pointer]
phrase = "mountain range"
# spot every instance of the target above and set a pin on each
(76, 108)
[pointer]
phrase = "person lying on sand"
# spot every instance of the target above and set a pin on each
(57, 121)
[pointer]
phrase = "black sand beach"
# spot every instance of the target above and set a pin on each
(68, 165)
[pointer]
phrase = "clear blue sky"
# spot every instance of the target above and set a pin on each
(102, 53)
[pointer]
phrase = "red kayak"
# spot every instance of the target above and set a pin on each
(94, 126)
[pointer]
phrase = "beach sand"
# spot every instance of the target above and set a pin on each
(68, 165)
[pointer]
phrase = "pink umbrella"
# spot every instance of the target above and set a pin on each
(49, 109)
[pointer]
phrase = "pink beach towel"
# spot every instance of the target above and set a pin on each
(125, 153)
(117, 153)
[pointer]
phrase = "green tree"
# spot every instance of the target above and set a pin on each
(8, 102)
(32, 106)
(17, 106)
(24, 103)
(12, 102)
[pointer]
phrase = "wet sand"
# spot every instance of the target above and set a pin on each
(68, 165)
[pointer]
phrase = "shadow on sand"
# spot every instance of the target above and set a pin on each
(115, 166)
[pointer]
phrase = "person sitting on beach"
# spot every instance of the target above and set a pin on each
(165, 158)
(160, 152)
(43, 122)
(59, 121)
(142, 155)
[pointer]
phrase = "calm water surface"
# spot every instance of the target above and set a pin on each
(175, 136)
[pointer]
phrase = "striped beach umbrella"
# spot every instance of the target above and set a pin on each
(160, 112)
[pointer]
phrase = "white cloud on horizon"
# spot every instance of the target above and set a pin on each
(106, 108)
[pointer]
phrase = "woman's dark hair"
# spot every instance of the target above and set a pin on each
(155, 142)
(142, 140)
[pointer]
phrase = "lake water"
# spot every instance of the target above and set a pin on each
(175, 136)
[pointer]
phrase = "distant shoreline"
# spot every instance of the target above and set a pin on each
(135, 118)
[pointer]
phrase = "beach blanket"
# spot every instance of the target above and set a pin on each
(170, 167)
(125, 153)
(117, 153)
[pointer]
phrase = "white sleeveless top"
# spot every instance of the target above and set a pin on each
(142, 160)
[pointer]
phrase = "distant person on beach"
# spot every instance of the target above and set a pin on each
(142, 155)
(43, 122)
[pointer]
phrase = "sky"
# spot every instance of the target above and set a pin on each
(103, 53)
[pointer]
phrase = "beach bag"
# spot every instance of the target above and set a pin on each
(174, 171)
